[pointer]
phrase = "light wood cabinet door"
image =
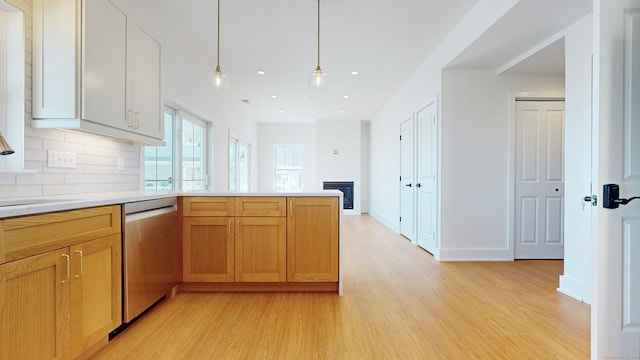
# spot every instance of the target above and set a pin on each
(312, 239)
(34, 307)
(208, 206)
(261, 249)
(96, 291)
(261, 206)
(208, 249)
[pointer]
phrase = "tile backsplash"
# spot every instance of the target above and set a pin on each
(96, 165)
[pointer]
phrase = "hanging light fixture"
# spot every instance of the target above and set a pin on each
(220, 80)
(318, 78)
(5, 149)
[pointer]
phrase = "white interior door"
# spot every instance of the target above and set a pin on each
(427, 185)
(407, 194)
(539, 183)
(615, 317)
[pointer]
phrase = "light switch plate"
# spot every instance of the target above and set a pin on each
(120, 163)
(61, 159)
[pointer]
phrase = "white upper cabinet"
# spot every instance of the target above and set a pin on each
(144, 87)
(95, 70)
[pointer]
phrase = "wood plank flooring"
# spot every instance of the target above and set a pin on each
(399, 303)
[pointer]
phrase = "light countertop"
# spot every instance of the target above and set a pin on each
(30, 206)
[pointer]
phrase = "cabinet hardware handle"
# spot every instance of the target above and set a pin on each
(229, 228)
(129, 119)
(68, 258)
(136, 120)
(238, 229)
(79, 252)
(291, 207)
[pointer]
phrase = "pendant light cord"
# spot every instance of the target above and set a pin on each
(218, 55)
(318, 34)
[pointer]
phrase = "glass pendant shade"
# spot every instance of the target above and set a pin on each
(318, 80)
(220, 80)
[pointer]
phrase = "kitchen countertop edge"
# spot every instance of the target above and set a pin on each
(93, 200)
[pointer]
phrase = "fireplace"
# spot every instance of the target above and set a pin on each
(347, 189)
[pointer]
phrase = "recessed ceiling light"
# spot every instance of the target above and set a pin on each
(354, 72)
(274, 96)
(341, 111)
(346, 96)
(260, 72)
(281, 111)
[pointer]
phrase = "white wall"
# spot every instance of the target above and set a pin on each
(419, 90)
(477, 160)
(291, 134)
(576, 280)
(365, 164)
(339, 156)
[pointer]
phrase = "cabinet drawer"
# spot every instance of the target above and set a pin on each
(29, 235)
(261, 206)
(207, 206)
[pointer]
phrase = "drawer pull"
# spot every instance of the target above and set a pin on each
(230, 228)
(238, 229)
(79, 252)
(68, 258)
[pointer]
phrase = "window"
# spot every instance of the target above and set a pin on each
(287, 168)
(158, 160)
(12, 84)
(182, 163)
(239, 165)
(194, 160)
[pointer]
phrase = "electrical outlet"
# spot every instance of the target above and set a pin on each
(120, 163)
(61, 159)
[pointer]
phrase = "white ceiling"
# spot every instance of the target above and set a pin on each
(384, 40)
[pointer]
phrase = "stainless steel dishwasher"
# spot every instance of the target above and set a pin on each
(150, 253)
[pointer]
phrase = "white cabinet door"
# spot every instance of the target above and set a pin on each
(104, 64)
(144, 100)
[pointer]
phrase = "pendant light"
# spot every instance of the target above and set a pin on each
(220, 80)
(318, 78)
(5, 149)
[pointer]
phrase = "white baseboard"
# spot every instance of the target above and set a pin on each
(574, 288)
(386, 222)
(475, 255)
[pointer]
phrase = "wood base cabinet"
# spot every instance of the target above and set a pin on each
(57, 304)
(208, 249)
(312, 239)
(234, 239)
(34, 307)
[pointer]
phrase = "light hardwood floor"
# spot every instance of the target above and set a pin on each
(399, 303)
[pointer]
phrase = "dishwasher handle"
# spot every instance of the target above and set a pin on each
(149, 213)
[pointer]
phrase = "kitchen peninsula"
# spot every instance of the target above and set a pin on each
(61, 260)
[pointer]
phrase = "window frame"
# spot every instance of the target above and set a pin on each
(206, 136)
(300, 170)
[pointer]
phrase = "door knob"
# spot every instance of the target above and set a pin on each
(418, 185)
(408, 185)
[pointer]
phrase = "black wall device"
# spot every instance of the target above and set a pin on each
(610, 193)
(611, 197)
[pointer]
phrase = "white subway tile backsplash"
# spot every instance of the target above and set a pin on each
(7, 179)
(61, 146)
(10, 191)
(31, 142)
(41, 178)
(59, 189)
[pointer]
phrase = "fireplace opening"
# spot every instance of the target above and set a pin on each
(347, 190)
